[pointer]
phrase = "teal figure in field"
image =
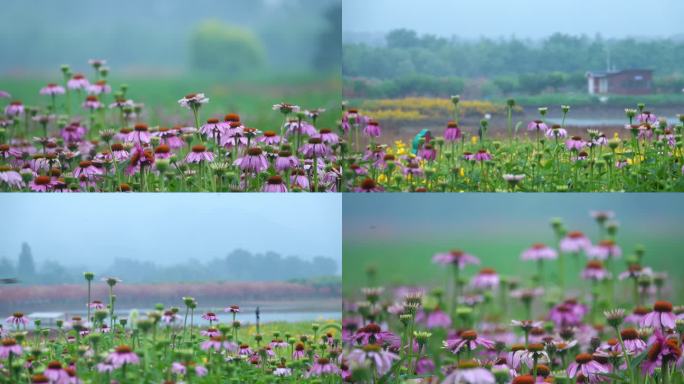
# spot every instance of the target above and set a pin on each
(423, 134)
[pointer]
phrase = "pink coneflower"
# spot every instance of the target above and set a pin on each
(328, 136)
(298, 352)
(372, 129)
(10, 177)
(41, 184)
(122, 355)
(213, 128)
(92, 103)
(210, 317)
(198, 154)
(556, 133)
(455, 256)
(469, 340)
(4, 94)
(8, 346)
(214, 342)
(661, 317)
(87, 168)
(210, 332)
(585, 365)
(254, 161)
(55, 373)
(606, 249)
(537, 126)
(193, 100)
(428, 152)
(315, 147)
(634, 271)
(286, 108)
(662, 351)
(99, 88)
(600, 140)
(119, 153)
(52, 90)
(469, 372)
(169, 317)
(452, 132)
(567, 313)
(96, 304)
(299, 179)
(245, 350)
(270, 138)
(575, 143)
(14, 108)
(368, 185)
(140, 134)
(73, 132)
(274, 184)
(633, 343)
(285, 161)
(595, 271)
(487, 278)
(323, 366)
(647, 117)
(232, 309)
(539, 251)
(436, 318)
(574, 242)
(382, 360)
(482, 155)
(282, 371)
(181, 368)
(293, 127)
(373, 334)
(78, 81)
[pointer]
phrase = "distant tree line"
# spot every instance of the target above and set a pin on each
(239, 265)
(408, 63)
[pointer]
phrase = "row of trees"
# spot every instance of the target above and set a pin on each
(239, 265)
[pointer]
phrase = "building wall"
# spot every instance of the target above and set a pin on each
(631, 83)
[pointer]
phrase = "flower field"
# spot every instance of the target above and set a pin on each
(534, 156)
(583, 309)
(164, 345)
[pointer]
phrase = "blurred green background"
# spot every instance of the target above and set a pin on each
(245, 55)
(399, 233)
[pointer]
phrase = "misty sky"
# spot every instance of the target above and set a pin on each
(92, 229)
(524, 18)
(400, 216)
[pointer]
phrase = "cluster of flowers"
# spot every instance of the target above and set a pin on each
(549, 156)
(425, 336)
(110, 148)
(160, 347)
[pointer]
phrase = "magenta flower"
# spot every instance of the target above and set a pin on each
(381, 359)
(210, 317)
(606, 249)
(9, 346)
(96, 304)
(556, 133)
(574, 242)
(17, 319)
(323, 366)
(87, 169)
(215, 342)
(213, 128)
(294, 127)
(285, 161)
(193, 100)
(487, 278)
(78, 81)
(270, 138)
(4, 94)
(92, 103)
(55, 373)
(436, 319)
(372, 129)
(633, 344)
(245, 350)
(455, 256)
(584, 364)
(274, 184)
(567, 313)
(198, 154)
(315, 147)
(537, 126)
(73, 132)
(428, 152)
(52, 90)
(373, 334)
(469, 372)
(482, 155)
(647, 117)
(661, 317)
(468, 339)
(662, 351)
(210, 332)
(594, 271)
(139, 135)
(10, 177)
(14, 108)
(452, 132)
(254, 161)
(99, 88)
(122, 355)
(539, 251)
(328, 136)
(286, 108)
(575, 143)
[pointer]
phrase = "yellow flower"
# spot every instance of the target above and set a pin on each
(382, 179)
(474, 139)
(461, 172)
(616, 135)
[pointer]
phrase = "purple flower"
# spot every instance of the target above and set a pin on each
(574, 242)
(286, 108)
(567, 313)
(661, 317)
(10, 177)
(274, 184)
(14, 108)
(436, 318)
(647, 117)
(254, 161)
(468, 339)
(606, 249)
(215, 342)
(315, 148)
(537, 126)
(323, 366)
(87, 168)
(270, 138)
(594, 271)
(294, 127)
(52, 90)
(662, 351)
(123, 355)
(469, 372)
(486, 279)
(193, 100)
(452, 132)
(482, 155)
(285, 161)
(381, 359)
(372, 129)
(8, 346)
(92, 103)
(78, 81)
(556, 133)
(585, 365)
(55, 373)
(99, 87)
(455, 257)
(373, 334)
(428, 152)
(575, 143)
(328, 136)
(539, 251)
(198, 154)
